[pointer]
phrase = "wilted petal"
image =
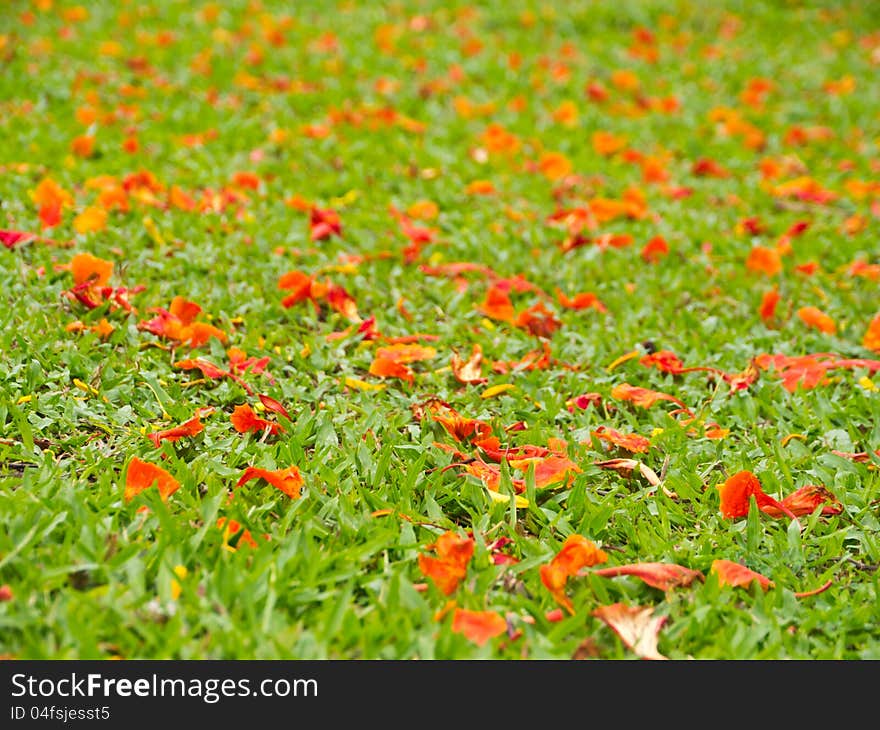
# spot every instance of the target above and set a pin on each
(805, 500)
(631, 442)
(469, 371)
(636, 626)
(664, 576)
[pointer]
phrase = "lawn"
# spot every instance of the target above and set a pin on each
(439, 330)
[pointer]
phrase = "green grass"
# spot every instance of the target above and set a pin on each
(93, 575)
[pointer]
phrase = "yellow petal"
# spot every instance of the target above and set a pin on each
(622, 359)
(786, 439)
(84, 387)
(496, 389)
(363, 385)
(520, 501)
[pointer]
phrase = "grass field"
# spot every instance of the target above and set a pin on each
(439, 330)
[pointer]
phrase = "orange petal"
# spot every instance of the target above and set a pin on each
(406, 353)
(582, 300)
(449, 567)
(554, 165)
(665, 361)
(300, 286)
(497, 305)
(207, 369)
(453, 548)
(142, 475)
(576, 552)
(537, 320)
(341, 301)
(871, 340)
(88, 268)
(478, 626)
(387, 368)
(655, 249)
(198, 333)
(736, 492)
(91, 220)
(549, 470)
(817, 319)
(446, 576)
(768, 304)
(244, 419)
(231, 528)
(458, 426)
(764, 260)
(288, 480)
(192, 427)
(734, 574)
(642, 396)
(184, 310)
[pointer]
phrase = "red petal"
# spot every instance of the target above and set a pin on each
(273, 405)
(10, 239)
